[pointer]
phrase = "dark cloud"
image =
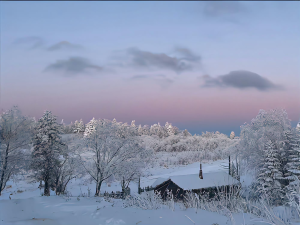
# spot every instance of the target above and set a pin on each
(31, 42)
(187, 54)
(73, 65)
(64, 45)
(240, 79)
(147, 59)
(223, 8)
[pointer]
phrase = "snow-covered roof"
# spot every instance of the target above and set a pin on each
(159, 181)
(192, 181)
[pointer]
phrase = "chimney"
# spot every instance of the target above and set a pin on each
(200, 172)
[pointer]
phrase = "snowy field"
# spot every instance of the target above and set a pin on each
(27, 206)
(56, 210)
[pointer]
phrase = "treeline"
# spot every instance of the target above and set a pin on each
(167, 138)
(105, 151)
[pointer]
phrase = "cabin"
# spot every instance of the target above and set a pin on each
(197, 183)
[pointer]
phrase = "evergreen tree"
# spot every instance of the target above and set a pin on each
(90, 127)
(293, 155)
(76, 127)
(79, 126)
(269, 175)
(232, 135)
(140, 130)
(47, 147)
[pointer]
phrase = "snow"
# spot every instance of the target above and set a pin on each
(56, 210)
(28, 207)
(163, 172)
(192, 181)
(159, 181)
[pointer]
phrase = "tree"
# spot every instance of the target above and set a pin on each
(63, 173)
(132, 169)
(47, 150)
(232, 135)
(172, 130)
(267, 126)
(107, 150)
(15, 136)
(269, 175)
(298, 127)
(186, 133)
(90, 127)
(292, 146)
(79, 126)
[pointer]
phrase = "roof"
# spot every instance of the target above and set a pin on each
(192, 181)
(159, 181)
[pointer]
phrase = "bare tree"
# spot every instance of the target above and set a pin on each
(105, 149)
(132, 168)
(15, 137)
(63, 173)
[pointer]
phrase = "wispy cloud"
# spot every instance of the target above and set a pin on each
(240, 79)
(32, 42)
(223, 8)
(73, 65)
(64, 45)
(146, 59)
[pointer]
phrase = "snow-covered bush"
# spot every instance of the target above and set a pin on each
(146, 200)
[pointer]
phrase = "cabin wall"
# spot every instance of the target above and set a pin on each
(212, 191)
(171, 186)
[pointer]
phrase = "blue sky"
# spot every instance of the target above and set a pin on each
(152, 61)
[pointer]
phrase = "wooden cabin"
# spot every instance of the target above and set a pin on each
(197, 183)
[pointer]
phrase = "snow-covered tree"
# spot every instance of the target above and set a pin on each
(232, 135)
(65, 171)
(267, 126)
(79, 126)
(172, 130)
(140, 130)
(133, 124)
(186, 133)
(107, 151)
(269, 175)
(15, 137)
(68, 129)
(292, 149)
(298, 127)
(133, 167)
(90, 127)
(47, 148)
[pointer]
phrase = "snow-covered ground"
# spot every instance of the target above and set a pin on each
(27, 206)
(56, 210)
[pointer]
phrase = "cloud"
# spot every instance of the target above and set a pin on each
(64, 45)
(187, 54)
(73, 65)
(32, 42)
(146, 59)
(223, 8)
(240, 79)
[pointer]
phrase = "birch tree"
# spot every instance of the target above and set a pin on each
(15, 136)
(107, 150)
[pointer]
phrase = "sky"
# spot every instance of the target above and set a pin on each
(202, 66)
